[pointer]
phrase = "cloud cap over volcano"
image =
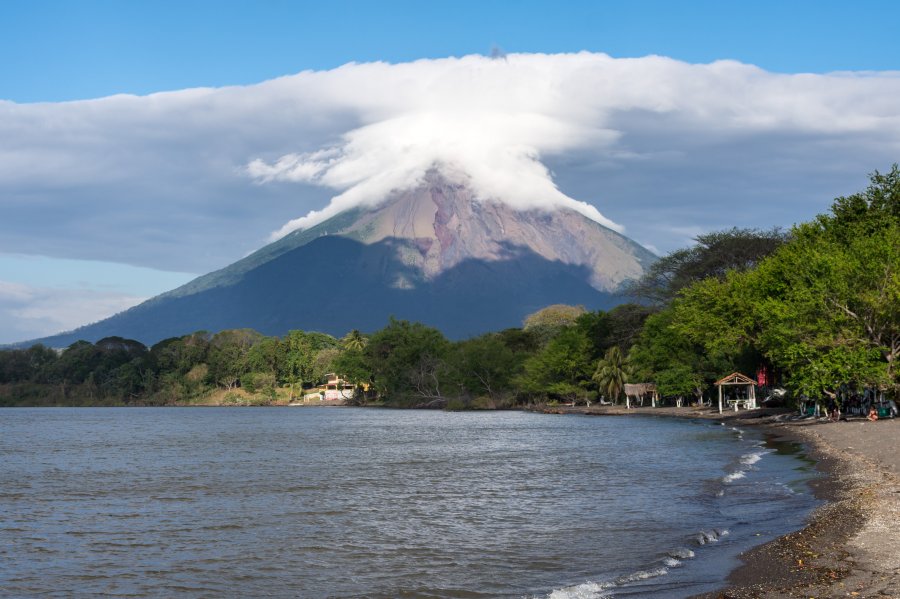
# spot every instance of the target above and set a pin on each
(190, 180)
(491, 122)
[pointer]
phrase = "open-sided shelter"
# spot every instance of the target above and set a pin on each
(641, 390)
(738, 380)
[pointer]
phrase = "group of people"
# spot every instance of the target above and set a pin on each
(863, 406)
(834, 414)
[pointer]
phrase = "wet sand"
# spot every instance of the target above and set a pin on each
(851, 545)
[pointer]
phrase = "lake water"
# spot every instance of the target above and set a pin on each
(332, 502)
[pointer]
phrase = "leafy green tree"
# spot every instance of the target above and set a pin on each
(178, 366)
(626, 321)
(180, 354)
(265, 356)
(596, 328)
(227, 357)
(713, 255)
(484, 366)
(667, 356)
(407, 360)
(353, 365)
(562, 368)
(32, 364)
(324, 362)
(825, 308)
(74, 365)
(547, 322)
(298, 363)
(832, 309)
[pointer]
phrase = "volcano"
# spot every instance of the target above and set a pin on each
(435, 253)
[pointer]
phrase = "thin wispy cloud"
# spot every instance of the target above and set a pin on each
(28, 311)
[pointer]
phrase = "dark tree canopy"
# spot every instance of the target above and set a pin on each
(713, 256)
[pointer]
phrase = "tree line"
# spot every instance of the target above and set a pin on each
(817, 307)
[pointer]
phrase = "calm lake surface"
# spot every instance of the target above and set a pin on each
(331, 502)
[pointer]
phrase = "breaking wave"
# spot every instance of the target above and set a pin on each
(710, 536)
(596, 590)
(729, 478)
(751, 458)
(747, 461)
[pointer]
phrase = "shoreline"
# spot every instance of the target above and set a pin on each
(848, 547)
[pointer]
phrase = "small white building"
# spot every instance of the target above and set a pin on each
(336, 388)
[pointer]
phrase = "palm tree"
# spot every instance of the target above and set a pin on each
(354, 340)
(612, 373)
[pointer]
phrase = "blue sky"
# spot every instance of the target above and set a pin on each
(103, 203)
(63, 50)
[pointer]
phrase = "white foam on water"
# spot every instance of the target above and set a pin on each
(598, 590)
(586, 590)
(709, 536)
(682, 553)
(749, 459)
(642, 575)
(728, 478)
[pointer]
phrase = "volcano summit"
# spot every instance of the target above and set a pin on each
(435, 253)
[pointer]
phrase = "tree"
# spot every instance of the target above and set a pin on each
(266, 355)
(562, 368)
(483, 366)
(354, 366)
(300, 349)
(612, 373)
(713, 255)
(324, 362)
(228, 351)
(824, 308)
(354, 340)
(679, 365)
(548, 322)
(832, 309)
(32, 364)
(626, 321)
(407, 359)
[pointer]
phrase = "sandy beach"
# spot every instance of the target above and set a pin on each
(851, 545)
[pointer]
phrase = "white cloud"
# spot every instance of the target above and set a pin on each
(29, 312)
(14, 292)
(492, 122)
(193, 179)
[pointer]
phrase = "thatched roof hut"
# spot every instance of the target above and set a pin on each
(641, 390)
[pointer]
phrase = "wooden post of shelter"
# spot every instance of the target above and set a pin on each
(738, 379)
